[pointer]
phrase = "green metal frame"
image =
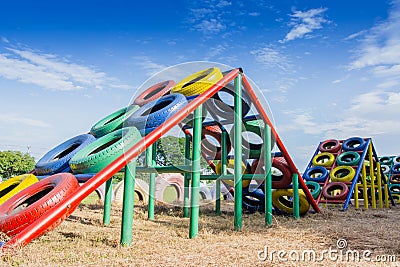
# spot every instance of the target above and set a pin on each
(192, 176)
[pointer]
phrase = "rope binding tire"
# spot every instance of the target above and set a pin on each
(330, 145)
(324, 159)
(154, 92)
(283, 199)
(198, 82)
(342, 174)
(329, 190)
(348, 158)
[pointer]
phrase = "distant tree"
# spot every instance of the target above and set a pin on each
(171, 151)
(14, 163)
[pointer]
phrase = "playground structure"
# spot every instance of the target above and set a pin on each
(345, 170)
(391, 169)
(259, 178)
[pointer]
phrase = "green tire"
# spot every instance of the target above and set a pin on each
(97, 155)
(112, 122)
(314, 187)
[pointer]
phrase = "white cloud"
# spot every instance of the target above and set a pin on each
(379, 51)
(271, 58)
(371, 114)
(210, 26)
(223, 4)
(355, 35)
(14, 118)
(148, 65)
(51, 72)
(254, 14)
(215, 51)
(306, 22)
(4, 40)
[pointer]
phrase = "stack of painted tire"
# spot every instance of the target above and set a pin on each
(333, 168)
(390, 166)
(170, 189)
(24, 198)
(141, 192)
(253, 199)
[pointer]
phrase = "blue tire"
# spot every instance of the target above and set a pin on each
(57, 159)
(396, 169)
(309, 175)
(151, 115)
(354, 144)
(253, 201)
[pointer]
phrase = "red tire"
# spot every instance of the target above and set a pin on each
(344, 190)
(280, 180)
(210, 150)
(331, 146)
(29, 204)
(395, 179)
(154, 92)
(164, 180)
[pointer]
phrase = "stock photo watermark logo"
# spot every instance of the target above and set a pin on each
(339, 253)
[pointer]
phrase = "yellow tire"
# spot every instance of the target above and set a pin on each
(282, 199)
(342, 174)
(198, 82)
(324, 159)
(229, 167)
(15, 184)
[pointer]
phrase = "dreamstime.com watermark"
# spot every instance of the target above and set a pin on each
(340, 253)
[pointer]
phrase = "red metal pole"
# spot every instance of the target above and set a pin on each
(279, 142)
(38, 227)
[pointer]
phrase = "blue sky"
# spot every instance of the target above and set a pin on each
(328, 69)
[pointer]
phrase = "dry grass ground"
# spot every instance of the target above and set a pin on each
(82, 240)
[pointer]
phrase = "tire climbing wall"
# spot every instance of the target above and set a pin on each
(346, 171)
(391, 169)
(197, 105)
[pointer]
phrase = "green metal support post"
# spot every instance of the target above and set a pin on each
(128, 203)
(296, 203)
(151, 162)
(268, 177)
(186, 200)
(238, 153)
(107, 202)
(194, 214)
(223, 171)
